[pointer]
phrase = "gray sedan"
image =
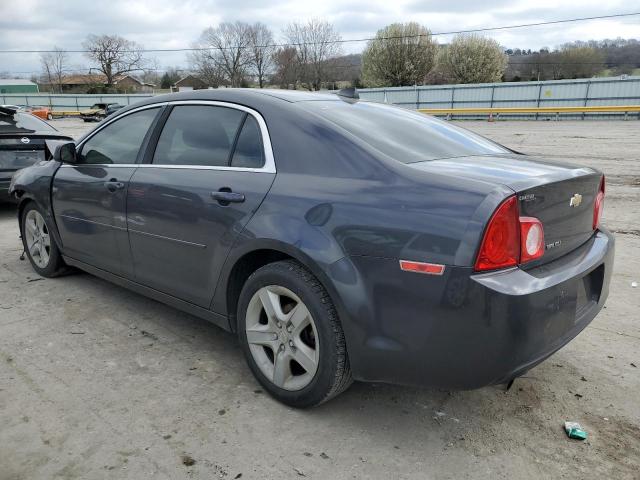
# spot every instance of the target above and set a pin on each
(339, 239)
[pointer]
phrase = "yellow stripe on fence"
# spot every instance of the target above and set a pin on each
(499, 110)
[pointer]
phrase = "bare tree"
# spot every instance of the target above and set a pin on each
(346, 68)
(315, 42)
(226, 50)
(150, 77)
(150, 73)
(54, 66)
(286, 67)
(205, 65)
(472, 59)
(261, 50)
(114, 55)
(401, 54)
(572, 60)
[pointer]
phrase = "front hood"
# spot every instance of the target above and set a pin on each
(515, 171)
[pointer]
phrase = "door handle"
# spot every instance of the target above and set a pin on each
(225, 196)
(113, 185)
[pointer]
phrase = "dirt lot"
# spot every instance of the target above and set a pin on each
(98, 382)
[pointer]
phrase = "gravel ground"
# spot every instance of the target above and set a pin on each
(98, 382)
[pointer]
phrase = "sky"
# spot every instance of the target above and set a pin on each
(41, 24)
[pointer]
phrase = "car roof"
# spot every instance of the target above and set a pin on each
(294, 95)
(242, 95)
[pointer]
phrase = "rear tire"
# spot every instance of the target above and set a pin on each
(291, 335)
(39, 244)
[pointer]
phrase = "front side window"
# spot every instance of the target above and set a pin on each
(120, 141)
(198, 135)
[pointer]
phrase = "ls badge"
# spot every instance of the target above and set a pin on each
(576, 200)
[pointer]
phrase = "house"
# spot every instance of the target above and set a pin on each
(11, 85)
(132, 84)
(90, 83)
(190, 82)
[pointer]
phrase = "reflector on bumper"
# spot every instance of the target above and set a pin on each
(421, 267)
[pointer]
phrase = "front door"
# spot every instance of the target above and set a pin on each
(89, 198)
(199, 187)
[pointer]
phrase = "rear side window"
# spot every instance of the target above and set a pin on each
(249, 151)
(120, 141)
(198, 135)
(404, 135)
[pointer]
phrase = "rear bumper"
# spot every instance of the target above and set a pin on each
(466, 330)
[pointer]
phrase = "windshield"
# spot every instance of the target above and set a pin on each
(22, 123)
(405, 135)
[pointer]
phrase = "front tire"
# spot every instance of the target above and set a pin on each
(39, 243)
(291, 335)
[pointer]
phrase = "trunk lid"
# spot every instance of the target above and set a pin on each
(22, 140)
(544, 189)
(565, 209)
(19, 151)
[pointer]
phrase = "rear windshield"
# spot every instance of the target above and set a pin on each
(405, 135)
(22, 123)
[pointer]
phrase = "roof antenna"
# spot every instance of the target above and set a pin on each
(348, 94)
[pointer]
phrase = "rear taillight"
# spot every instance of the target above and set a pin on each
(510, 239)
(501, 243)
(531, 239)
(598, 205)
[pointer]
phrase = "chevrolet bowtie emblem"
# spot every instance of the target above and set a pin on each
(576, 200)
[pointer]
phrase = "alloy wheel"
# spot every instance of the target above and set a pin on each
(38, 239)
(282, 337)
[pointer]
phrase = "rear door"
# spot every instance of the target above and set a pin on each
(89, 198)
(203, 178)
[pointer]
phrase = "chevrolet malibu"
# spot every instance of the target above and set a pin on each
(339, 239)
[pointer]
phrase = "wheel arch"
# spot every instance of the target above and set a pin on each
(242, 262)
(33, 184)
(24, 199)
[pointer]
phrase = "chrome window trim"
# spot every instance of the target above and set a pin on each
(110, 165)
(205, 167)
(269, 160)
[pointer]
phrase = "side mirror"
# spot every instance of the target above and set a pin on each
(63, 152)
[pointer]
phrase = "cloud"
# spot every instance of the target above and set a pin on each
(465, 6)
(41, 24)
